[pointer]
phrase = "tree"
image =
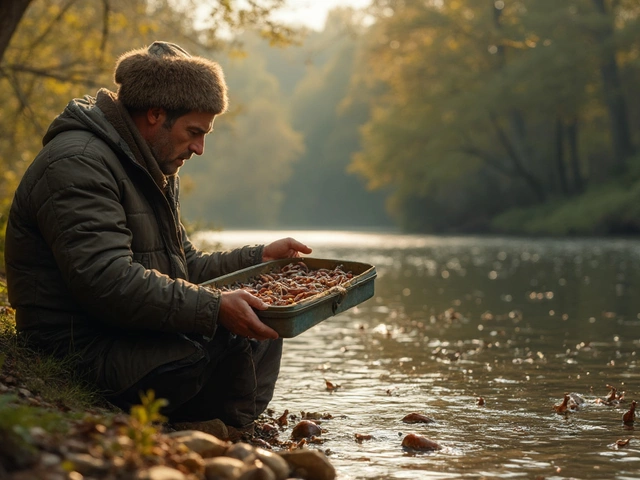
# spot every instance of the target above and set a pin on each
(55, 50)
(623, 147)
(11, 12)
(514, 87)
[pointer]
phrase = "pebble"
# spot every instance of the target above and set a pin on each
(419, 442)
(192, 462)
(417, 418)
(49, 459)
(37, 432)
(275, 462)
(86, 464)
(257, 471)
(241, 451)
(223, 468)
(305, 429)
(309, 464)
(160, 472)
(74, 445)
(204, 444)
(25, 393)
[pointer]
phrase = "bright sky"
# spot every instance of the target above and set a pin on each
(313, 13)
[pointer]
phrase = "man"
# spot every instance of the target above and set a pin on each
(100, 268)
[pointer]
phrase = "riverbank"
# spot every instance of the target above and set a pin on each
(53, 427)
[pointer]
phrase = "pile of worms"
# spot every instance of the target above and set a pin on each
(292, 283)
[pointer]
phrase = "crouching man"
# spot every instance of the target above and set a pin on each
(100, 268)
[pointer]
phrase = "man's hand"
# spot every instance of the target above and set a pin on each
(284, 248)
(237, 315)
(236, 307)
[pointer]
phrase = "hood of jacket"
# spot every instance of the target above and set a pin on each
(84, 114)
(105, 117)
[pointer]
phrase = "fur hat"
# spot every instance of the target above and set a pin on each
(165, 75)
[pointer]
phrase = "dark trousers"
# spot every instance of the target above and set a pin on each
(234, 382)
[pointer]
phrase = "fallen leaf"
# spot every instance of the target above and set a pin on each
(630, 415)
(331, 386)
(282, 421)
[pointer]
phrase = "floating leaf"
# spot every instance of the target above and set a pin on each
(629, 417)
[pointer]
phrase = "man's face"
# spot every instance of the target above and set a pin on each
(173, 145)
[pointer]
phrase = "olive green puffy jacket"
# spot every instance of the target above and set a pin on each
(98, 263)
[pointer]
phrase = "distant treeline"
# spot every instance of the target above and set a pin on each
(516, 116)
(457, 116)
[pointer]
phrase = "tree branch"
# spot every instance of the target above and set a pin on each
(84, 77)
(105, 28)
(517, 162)
(24, 101)
(490, 159)
(11, 12)
(36, 41)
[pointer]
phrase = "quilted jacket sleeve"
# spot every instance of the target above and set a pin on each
(205, 266)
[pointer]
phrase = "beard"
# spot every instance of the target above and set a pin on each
(163, 150)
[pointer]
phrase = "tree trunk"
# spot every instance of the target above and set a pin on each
(514, 141)
(11, 12)
(613, 95)
(574, 158)
(559, 157)
(518, 163)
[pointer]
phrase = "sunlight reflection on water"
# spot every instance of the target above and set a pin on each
(518, 322)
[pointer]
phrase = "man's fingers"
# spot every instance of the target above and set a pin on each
(301, 247)
(256, 302)
(259, 330)
(263, 332)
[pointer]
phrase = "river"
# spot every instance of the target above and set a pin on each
(516, 321)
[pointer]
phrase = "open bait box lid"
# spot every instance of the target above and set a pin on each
(291, 320)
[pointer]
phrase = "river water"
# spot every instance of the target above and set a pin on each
(518, 322)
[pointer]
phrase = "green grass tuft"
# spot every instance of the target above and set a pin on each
(53, 379)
